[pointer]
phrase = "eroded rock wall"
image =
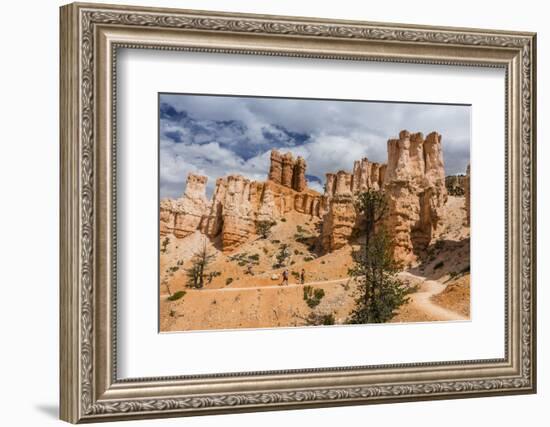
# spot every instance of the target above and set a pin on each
(341, 218)
(183, 216)
(287, 171)
(415, 188)
(413, 180)
(238, 203)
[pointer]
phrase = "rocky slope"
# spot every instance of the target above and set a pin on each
(243, 288)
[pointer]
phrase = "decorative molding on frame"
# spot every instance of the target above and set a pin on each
(89, 17)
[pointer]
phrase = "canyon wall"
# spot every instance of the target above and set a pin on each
(413, 180)
(414, 183)
(415, 191)
(239, 203)
(341, 218)
(183, 216)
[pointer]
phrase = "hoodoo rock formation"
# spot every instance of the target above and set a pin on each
(415, 187)
(341, 187)
(183, 216)
(288, 172)
(413, 180)
(238, 203)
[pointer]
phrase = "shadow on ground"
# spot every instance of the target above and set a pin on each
(442, 258)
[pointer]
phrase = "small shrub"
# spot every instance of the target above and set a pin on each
(312, 303)
(172, 313)
(313, 296)
(323, 262)
(244, 258)
(176, 296)
(165, 243)
(228, 281)
(263, 228)
(212, 275)
(438, 265)
(276, 242)
(300, 229)
(318, 293)
(283, 219)
(328, 319)
(295, 274)
(309, 258)
(320, 319)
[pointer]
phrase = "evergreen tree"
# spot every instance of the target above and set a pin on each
(379, 291)
(283, 255)
(199, 265)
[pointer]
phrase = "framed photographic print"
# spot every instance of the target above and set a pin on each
(266, 212)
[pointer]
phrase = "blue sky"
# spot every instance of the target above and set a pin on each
(218, 135)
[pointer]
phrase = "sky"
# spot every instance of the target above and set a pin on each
(222, 135)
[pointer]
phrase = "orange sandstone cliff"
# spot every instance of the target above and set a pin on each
(413, 180)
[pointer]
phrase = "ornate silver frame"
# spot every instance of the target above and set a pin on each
(90, 36)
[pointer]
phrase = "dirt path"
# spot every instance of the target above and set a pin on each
(277, 286)
(422, 301)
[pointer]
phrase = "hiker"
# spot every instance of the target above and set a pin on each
(303, 276)
(285, 278)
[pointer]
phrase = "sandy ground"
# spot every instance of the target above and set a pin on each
(456, 295)
(424, 306)
(245, 291)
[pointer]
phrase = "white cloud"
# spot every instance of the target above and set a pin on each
(339, 133)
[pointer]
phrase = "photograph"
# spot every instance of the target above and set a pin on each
(290, 212)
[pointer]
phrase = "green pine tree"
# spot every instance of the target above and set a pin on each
(379, 293)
